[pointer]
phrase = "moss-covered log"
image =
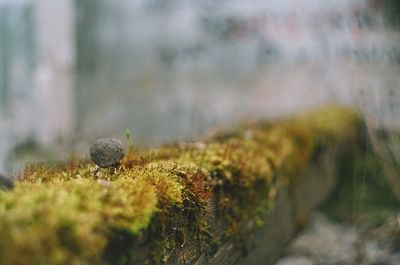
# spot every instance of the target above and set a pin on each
(207, 202)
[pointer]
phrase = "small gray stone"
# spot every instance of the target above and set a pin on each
(107, 152)
(6, 183)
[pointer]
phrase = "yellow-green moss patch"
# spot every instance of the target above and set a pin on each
(167, 198)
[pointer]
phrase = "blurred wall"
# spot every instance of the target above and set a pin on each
(37, 47)
(173, 69)
(17, 60)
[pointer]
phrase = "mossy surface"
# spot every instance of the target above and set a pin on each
(162, 204)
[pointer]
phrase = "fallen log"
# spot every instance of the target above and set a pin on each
(234, 198)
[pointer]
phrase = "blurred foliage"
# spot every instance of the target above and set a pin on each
(363, 193)
(391, 13)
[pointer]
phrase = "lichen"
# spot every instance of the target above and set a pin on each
(171, 197)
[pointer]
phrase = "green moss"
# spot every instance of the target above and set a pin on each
(172, 197)
(166, 177)
(66, 222)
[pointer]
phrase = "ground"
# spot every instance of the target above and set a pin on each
(327, 242)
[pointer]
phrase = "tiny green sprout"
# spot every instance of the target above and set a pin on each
(128, 137)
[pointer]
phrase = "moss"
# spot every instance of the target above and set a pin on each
(44, 224)
(66, 222)
(172, 197)
(166, 177)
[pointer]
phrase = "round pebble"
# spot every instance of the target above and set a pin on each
(107, 152)
(6, 183)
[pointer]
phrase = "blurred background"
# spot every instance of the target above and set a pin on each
(73, 71)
